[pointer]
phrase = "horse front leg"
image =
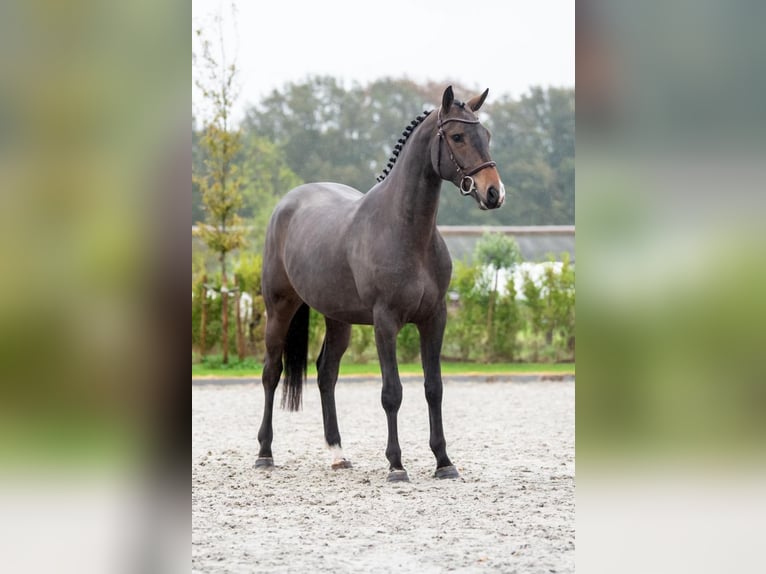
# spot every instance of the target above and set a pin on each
(386, 330)
(431, 337)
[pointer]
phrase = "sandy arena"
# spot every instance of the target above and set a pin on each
(512, 510)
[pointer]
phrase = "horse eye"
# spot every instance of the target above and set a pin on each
(457, 138)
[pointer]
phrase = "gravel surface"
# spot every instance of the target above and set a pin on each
(512, 510)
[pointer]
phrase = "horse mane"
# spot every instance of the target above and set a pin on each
(400, 143)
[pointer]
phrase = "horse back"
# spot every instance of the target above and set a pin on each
(306, 206)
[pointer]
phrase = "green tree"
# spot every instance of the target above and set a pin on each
(507, 325)
(317, 127)
(267, 177)
(559, 305)
(220, 179)
(533, 145)
(328, 133)
(198, 161)
(497, 252)
(550, 304)
(248, 276)
(466, 325)
(535, 307)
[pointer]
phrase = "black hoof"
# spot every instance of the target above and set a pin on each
(447, 472)
(398, 476)
(264, 462)
(342, 463)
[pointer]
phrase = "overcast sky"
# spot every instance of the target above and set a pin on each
(506, 46)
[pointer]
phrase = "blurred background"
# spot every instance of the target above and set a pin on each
(94, 227)
(94, 168)
(95, 213)
(671, 392)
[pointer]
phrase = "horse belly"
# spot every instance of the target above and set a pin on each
(352, 317)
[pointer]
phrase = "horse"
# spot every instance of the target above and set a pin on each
(373, 259)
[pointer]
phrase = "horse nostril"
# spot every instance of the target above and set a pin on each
(492, 195)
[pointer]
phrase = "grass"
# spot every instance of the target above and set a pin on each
(60, 439)
(249, 368)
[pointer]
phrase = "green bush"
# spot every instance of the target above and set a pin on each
(560, 290)
(316, 334)
(534, 310)
(551, 315)
(214, 325)
(247, 273)
(504, 341)
(464, 335)
(536, 325)
(362, 347)
(408, 344)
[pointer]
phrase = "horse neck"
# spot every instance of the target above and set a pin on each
(412, 188)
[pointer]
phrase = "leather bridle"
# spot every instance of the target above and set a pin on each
(466, 185)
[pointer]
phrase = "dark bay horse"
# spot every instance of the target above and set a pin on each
(373, 259)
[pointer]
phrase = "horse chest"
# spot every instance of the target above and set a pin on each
(411, 289)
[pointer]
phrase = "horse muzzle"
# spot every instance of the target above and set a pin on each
(493, 198)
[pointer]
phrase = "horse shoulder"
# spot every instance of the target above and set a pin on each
(441, 262)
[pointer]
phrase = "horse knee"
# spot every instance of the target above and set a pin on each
(434, 393)
(391, 398)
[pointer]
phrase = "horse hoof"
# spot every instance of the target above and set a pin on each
(447, 472)
(398, 476)
(342, 463)
(264, 462)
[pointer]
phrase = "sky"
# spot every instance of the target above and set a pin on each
(506, 46)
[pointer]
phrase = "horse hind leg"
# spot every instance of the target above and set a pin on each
(277, 325)
(335, 343)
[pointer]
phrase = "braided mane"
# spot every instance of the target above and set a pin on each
(400, 143)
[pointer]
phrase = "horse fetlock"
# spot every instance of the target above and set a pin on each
(438, 446)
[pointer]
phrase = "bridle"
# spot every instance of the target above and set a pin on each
(467, 185)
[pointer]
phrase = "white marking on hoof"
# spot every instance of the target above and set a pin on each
(337, 460)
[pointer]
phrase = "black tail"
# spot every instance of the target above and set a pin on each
(296, 357)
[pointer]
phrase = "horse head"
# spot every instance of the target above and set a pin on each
(460, 151)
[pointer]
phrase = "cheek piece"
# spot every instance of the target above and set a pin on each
(464, 182)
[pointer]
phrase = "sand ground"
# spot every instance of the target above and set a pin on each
(512, 510)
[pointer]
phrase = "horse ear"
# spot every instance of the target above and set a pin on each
(447, 99)
(476, 102)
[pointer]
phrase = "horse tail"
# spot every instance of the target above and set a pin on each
(296, 357)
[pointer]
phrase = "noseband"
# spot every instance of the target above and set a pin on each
(467, 185)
